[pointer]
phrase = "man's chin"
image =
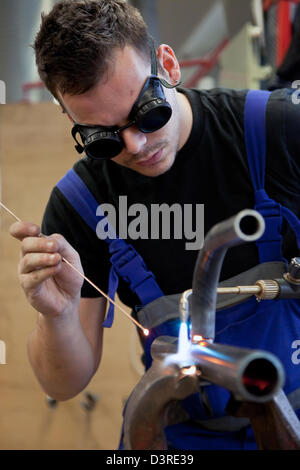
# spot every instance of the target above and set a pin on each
(153, 170)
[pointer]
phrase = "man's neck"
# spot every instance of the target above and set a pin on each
(186, 118)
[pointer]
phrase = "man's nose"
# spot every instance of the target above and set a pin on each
(134, 140)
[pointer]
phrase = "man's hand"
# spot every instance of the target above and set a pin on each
(50, 285)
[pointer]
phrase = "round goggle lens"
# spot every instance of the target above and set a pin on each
(104, 148)
(155, 119)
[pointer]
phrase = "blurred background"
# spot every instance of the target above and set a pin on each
(228, 43)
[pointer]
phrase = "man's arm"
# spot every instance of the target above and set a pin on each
(92, 315)
(65, 347)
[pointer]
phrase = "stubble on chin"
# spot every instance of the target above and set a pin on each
(132, 160)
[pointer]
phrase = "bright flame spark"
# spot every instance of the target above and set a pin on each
(146, 332)
(197, 338)
(183, 351)
(189, 370)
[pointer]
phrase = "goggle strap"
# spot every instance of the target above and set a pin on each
(167, 84)
(78, 147)
(153, 58)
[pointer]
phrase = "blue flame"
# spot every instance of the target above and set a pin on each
(183, 340)
(184, 344)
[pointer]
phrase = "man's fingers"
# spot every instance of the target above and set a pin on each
(28, 234)
(33, 261)
(54, 243)
(21, 230)
(66, 250)
(38, 245)
(31, 281)
(41, 259)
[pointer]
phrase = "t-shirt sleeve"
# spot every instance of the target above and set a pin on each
(60, 217)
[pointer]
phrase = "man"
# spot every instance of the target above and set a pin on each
(95, 58)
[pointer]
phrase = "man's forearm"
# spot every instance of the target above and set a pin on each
(61, 355)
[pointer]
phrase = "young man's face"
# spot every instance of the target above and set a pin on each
(109, 104)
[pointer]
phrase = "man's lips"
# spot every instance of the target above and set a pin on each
(152, 160)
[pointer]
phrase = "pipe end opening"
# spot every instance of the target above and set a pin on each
(250, 225)
(260, 378)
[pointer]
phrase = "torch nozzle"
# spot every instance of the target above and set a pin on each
(184, 310)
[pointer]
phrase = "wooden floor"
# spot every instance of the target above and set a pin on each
(36, 149)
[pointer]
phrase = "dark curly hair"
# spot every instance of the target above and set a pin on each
(75, 44)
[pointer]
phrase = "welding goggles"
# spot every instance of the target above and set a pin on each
(150, 112)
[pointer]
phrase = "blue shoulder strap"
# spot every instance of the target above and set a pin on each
(125, 261)
(269, 245)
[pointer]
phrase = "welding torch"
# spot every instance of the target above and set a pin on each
(287, 287)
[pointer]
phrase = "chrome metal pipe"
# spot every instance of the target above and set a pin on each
(247, 226)
(251, 375)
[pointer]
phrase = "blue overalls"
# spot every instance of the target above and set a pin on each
(272, 325)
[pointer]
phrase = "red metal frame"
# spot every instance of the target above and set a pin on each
(268, 3)
(284, 31)
(27, 87)
(205, 64)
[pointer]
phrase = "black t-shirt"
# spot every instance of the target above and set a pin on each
(210, 169)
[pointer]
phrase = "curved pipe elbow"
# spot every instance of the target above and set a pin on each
(246, 226)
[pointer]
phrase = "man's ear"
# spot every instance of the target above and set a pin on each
(169, 62)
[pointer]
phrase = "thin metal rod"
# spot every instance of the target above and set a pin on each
(239, 290)
(10, 212)
(145, 331)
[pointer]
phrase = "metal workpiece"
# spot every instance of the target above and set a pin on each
(254, 377)
(275, 424)
(247, 226)
(163, 346)
(155, 404)
(251, 375)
